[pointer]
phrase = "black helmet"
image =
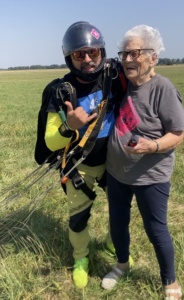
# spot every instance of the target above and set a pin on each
(78, 35)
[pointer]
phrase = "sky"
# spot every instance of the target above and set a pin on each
(31, 31)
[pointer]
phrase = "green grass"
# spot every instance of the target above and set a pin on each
(35, 253)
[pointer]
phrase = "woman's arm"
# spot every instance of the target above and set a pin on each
(169, 141)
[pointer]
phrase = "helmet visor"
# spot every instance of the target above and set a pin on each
(80, 54)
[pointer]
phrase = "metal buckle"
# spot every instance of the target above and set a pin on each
(75, 165)
(77, 181)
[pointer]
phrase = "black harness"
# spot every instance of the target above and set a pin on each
(60, 92)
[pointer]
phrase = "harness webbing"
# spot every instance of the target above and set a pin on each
(89, 138)
(102, 109)
(87, 142)
(123, 81)
(63, 164)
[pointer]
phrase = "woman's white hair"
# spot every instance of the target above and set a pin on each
(150, 36)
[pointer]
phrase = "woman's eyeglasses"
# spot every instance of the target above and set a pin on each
(92, 53)
(135, 53)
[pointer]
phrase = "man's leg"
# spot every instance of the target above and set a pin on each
(80, 206)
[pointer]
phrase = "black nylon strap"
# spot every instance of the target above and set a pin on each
(78, 181)
(106, 93)
(75, 177)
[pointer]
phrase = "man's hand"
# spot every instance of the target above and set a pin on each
(76, 118)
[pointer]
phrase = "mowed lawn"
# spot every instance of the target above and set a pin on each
(35, 253)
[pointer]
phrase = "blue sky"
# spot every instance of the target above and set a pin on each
(31, 31)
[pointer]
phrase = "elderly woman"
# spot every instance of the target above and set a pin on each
(153, 114)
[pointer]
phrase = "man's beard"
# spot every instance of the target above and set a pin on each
(85, 66)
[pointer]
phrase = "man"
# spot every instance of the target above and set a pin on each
(84, 51)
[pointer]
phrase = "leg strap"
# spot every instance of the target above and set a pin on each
(78, 181)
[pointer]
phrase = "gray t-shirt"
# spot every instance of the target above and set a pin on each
(150, 110)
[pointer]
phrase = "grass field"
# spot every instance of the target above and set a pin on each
(35, 253)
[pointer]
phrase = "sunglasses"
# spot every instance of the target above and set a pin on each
(92, 53)
(133, 53)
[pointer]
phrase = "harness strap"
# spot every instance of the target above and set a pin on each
(123, 81)
(89, 138)
(66, 92)
(66, 149)
(107, 82)
(78, 181)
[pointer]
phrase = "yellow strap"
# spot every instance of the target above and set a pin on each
(91, 126)
(86, 134)
(63, 164)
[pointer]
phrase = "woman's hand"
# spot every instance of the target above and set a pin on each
(146, 146)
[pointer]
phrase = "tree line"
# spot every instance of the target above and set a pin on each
(162, 61)
(169, 62)
(35, 67)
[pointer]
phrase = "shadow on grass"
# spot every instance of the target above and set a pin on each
(41, 234)
(47, 237)
(36, 232)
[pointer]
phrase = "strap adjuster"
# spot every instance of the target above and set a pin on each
(77, 181)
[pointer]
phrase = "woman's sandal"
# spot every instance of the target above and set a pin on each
(111, 279)
(170, 292)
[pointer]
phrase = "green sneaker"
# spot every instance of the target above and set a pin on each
(112, 252)
(80, 272)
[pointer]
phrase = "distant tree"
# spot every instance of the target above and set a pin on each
(165, 61)
(63, 66)
(33, 67)
(53, 67)
(162, 61)
(168, 61)
(19, 68)
(178, 61)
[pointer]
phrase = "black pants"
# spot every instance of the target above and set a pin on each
(152, 202)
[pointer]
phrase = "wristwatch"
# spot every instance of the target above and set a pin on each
(65, 130)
